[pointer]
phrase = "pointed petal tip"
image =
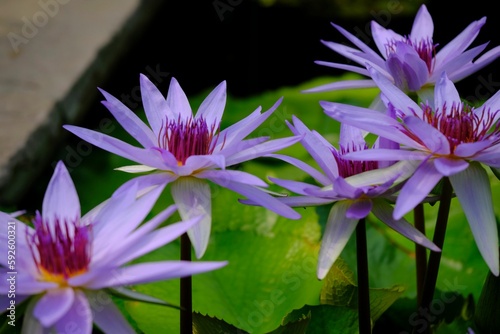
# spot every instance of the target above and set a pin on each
(321, 272)
(336, 26)
(60, 166)
(199, 252)
(494, 263)
(397, 214)
(327, 105)
(433, 247)
(495, 271)
(293, 215)
(311, 90)
(174, 82)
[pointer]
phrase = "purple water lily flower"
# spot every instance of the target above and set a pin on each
(449, 138)
(69, 265)
(356, 187)
(411, 62)
(185, 150)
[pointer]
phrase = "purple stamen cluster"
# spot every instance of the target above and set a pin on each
(186, 138)
(350, 167)
(461, 124)
(425, 49)
(63, 251)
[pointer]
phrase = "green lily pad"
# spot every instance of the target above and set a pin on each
(271, 270)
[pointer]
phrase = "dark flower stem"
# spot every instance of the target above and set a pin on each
(186, 290)
(435, 257)
(364, 318)
(420, 251)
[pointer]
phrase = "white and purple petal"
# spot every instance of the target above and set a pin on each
(60, 202)
(106, 315)
(149, 157)
(408, 70)
(296, 201)
(262, 149)
(212, 107)
(423, 25)
(359, 208)
(238, 131)
(393, 174)
(297, 187)
(315, 147)
(383, 37)
(369, 120)
(78, 318)
(383, 211)
(146, 181)
(135, 247)
(470, 150)
(178, 102)
(459, 65)
(448, 167)
(155, 106)
(357, 42)
(231, 176)
(314, 173)
(480, 63)
(128, 218)
(130, 121)
(337, 233)
(193, 198)
(54, 305)
(143, 273)
(257, 196)
(445, 95)
(477, 204)
(417, 188)
(382, 154)
(459, 43)
(350, 68)
(201, 162)
(435, 141)
(342, 84)
(400, 100)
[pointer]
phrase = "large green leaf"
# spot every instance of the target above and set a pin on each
(327, 319)
(340, 289)
(271, 270)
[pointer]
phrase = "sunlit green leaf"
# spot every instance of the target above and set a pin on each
(326, 319)
(340, 289)
(271, 270)
(203, 324)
